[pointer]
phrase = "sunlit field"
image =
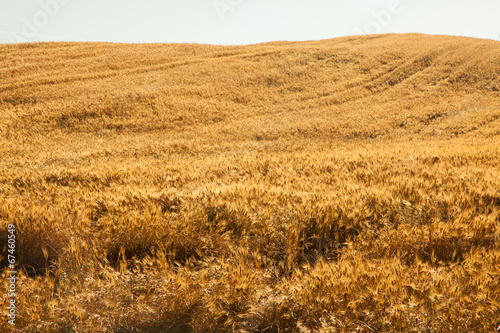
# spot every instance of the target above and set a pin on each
(345, 185)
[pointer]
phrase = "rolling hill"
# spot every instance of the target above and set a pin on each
(340, 185)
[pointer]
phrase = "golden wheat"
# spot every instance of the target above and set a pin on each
(335, 186)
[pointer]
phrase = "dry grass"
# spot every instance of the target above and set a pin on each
(335, 186)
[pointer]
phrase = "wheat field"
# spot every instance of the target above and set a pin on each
(344, 185)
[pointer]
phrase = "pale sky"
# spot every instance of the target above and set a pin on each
(230, 22)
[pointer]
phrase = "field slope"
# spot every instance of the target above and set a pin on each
(341, 185)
